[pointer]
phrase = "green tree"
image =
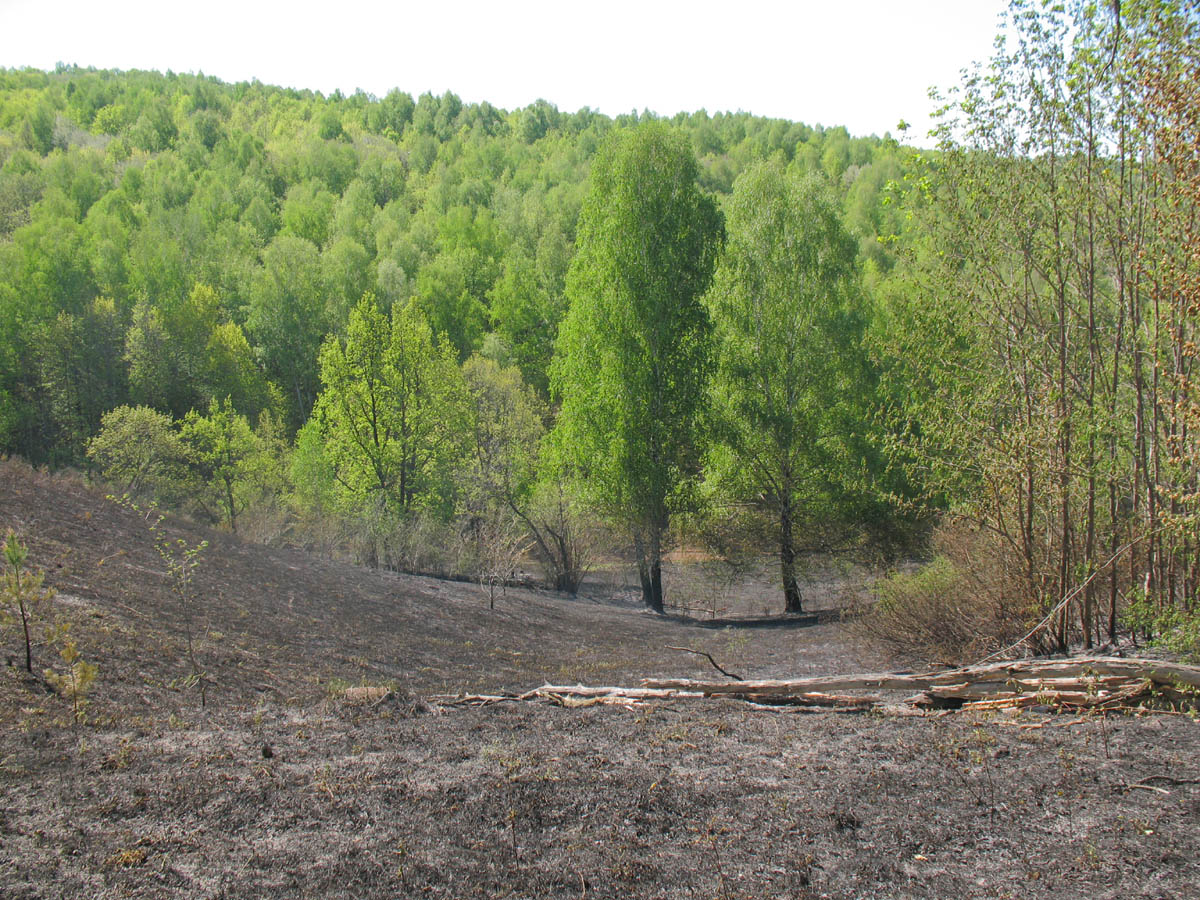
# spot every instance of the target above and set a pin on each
(138, 450)
(785, 306)
(391, 409)
(22, 591)
(82, 373)
(634, 346)
(287, 319)
(224, 454)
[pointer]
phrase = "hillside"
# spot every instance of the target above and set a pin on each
(282, 786)
(285, 624)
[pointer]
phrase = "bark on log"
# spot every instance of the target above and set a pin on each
(1026, 672)
(1086, 682)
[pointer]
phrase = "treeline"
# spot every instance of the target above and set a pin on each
(181, 257)
(1040, 335)
(120, 193)
(420, 324)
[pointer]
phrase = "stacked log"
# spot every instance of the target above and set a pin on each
(1080, 683)
(1098, 683)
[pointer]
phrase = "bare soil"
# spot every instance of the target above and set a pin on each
(280, 786)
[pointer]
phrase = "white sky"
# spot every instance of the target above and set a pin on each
(864, 64)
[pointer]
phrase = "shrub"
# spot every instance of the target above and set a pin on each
(1169, 627)
(77, 675)
(953, 610)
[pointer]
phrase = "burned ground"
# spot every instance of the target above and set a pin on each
(282, 787)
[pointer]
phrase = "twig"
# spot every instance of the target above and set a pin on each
(1169, 779)
(1147, 787)
(1062, 604)
(711, 660)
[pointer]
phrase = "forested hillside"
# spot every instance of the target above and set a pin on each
(203, 238)
(206, 265)
(440, 336)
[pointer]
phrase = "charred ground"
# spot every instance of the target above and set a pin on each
(280, 786)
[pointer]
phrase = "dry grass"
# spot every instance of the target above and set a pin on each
(952, 610)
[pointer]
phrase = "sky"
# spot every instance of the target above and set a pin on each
(864, 64)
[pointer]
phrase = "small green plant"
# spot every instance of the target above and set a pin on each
(1167, 626)
(76, 678)
(181, 559)
(22, 592)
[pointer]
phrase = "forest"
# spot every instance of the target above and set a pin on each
(432, 336)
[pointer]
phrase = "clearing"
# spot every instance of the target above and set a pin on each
(285, 786)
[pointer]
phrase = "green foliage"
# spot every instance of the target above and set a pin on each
(1167, 626)
(23, 596)
(288, 206)
(1035, 362)
(226, 456)
(76, 676)
(392, 411)
(81, 373)
(139, 452)
(287, 317)
(633, 355)
(790, 398)
(506, 423)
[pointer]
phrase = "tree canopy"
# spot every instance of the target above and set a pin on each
(634, 349)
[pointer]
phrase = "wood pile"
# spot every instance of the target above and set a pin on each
(1099, 682)
(1082, 683)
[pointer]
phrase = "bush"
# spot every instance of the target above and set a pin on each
(1169, 627)
(959, 607)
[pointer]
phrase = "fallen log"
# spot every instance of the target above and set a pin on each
(1099, 683)
(1028, 672)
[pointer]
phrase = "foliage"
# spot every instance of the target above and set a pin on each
(1022, 342)
(953, 610)
(392, 411)
(1167, 62)
(633, 353)
(506, 429)
(139, 451)
(790, 396)
(23, 593)
(229, 228)
(76, 679)
(1169, 627)
(226, 457)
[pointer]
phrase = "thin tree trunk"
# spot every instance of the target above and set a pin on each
(649, 559)
(792, 602)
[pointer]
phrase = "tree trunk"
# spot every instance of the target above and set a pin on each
(230, 505)
(787, 562)
(649, 559)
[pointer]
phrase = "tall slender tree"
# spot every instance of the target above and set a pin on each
(633, 354)
(786, 308)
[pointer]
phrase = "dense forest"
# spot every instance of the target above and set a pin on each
(444, 337)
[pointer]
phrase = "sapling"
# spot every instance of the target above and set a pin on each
(22, 590)
(181, 559)
(75, 681)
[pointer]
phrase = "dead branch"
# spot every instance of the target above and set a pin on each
(711, 660)
(1030, 671)
(1099, 684)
